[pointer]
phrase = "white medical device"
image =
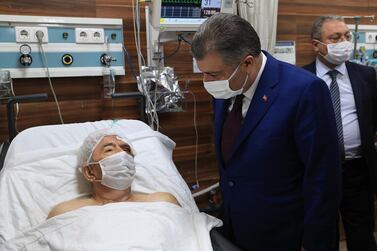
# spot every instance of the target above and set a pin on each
(186, 15)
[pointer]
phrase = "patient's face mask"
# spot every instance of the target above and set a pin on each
(221, 88)
(118, 170)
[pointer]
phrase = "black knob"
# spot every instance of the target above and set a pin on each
(26, 60)
(67, 59)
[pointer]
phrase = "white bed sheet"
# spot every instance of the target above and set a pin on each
(149, 226)
(40, 171)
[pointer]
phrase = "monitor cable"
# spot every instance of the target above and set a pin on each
(40, 35)
(196, 186)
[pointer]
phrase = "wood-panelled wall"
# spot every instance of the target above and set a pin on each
(81, 98)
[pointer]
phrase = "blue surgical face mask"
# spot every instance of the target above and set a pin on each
(220, 89)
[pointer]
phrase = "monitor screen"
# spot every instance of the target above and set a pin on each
(186, 15)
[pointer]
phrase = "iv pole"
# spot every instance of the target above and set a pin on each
(356, 36)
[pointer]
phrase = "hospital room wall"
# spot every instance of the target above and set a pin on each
(81, 98)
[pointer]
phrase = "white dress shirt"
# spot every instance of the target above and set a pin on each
(250, 92)
(350, 122)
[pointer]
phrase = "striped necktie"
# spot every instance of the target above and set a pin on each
(335, 97)
(231, 128)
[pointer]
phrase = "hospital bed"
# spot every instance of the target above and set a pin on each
(40, 171)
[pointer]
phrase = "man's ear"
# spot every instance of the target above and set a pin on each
(88, 173)
(249, 60)
(315, 44)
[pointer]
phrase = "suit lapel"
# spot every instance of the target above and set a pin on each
(311, 67)
(357, 88)
(262, 100)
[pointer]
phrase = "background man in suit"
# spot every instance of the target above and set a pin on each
(353, 92)
(275, 139)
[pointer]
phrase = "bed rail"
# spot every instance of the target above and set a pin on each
(220, 243)
(10, 110)
(12, 132)
(137, 95)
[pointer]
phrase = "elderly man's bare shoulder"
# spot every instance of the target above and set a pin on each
(156, 197)
(69, 206)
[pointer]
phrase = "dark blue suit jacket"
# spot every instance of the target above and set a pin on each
(281, 186)
(364, 87)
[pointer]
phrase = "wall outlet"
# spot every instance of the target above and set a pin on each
(25, 34)
(371, 37)
(90, 35)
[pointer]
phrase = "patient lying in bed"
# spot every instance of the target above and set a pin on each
(86, 221)
(107, 161)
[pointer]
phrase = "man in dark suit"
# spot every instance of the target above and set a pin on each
(275, 141)
(353, 91)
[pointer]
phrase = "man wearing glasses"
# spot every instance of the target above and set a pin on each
(353, 93)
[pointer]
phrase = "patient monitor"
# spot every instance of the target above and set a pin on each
(186, 15)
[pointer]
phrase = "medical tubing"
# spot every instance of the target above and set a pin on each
(138, 31)
(17, 106)
(196, 138)
(184, 39)
(136, 23)
(174, 52)
(208, 189)
(155, 107)
(129, 60)
(39, 36)
(151, 109)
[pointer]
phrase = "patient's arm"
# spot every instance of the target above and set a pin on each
(58, 209)
(154, 197)
(162, 196)
(78, 203)
(69, 206)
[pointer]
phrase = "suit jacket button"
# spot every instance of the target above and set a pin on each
(230, 183)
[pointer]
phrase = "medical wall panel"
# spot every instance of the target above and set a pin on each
(67, 46)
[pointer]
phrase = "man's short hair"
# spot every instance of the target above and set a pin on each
(318, 23)
(229, 35)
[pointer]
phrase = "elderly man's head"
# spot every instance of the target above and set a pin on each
(96, 143)
(107, 158)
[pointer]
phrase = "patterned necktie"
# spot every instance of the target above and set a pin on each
(232, 127)
(335, 97)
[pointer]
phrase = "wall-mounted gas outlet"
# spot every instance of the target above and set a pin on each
(371, 37)
(67, 57)
(90, 35)
(26, 34)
